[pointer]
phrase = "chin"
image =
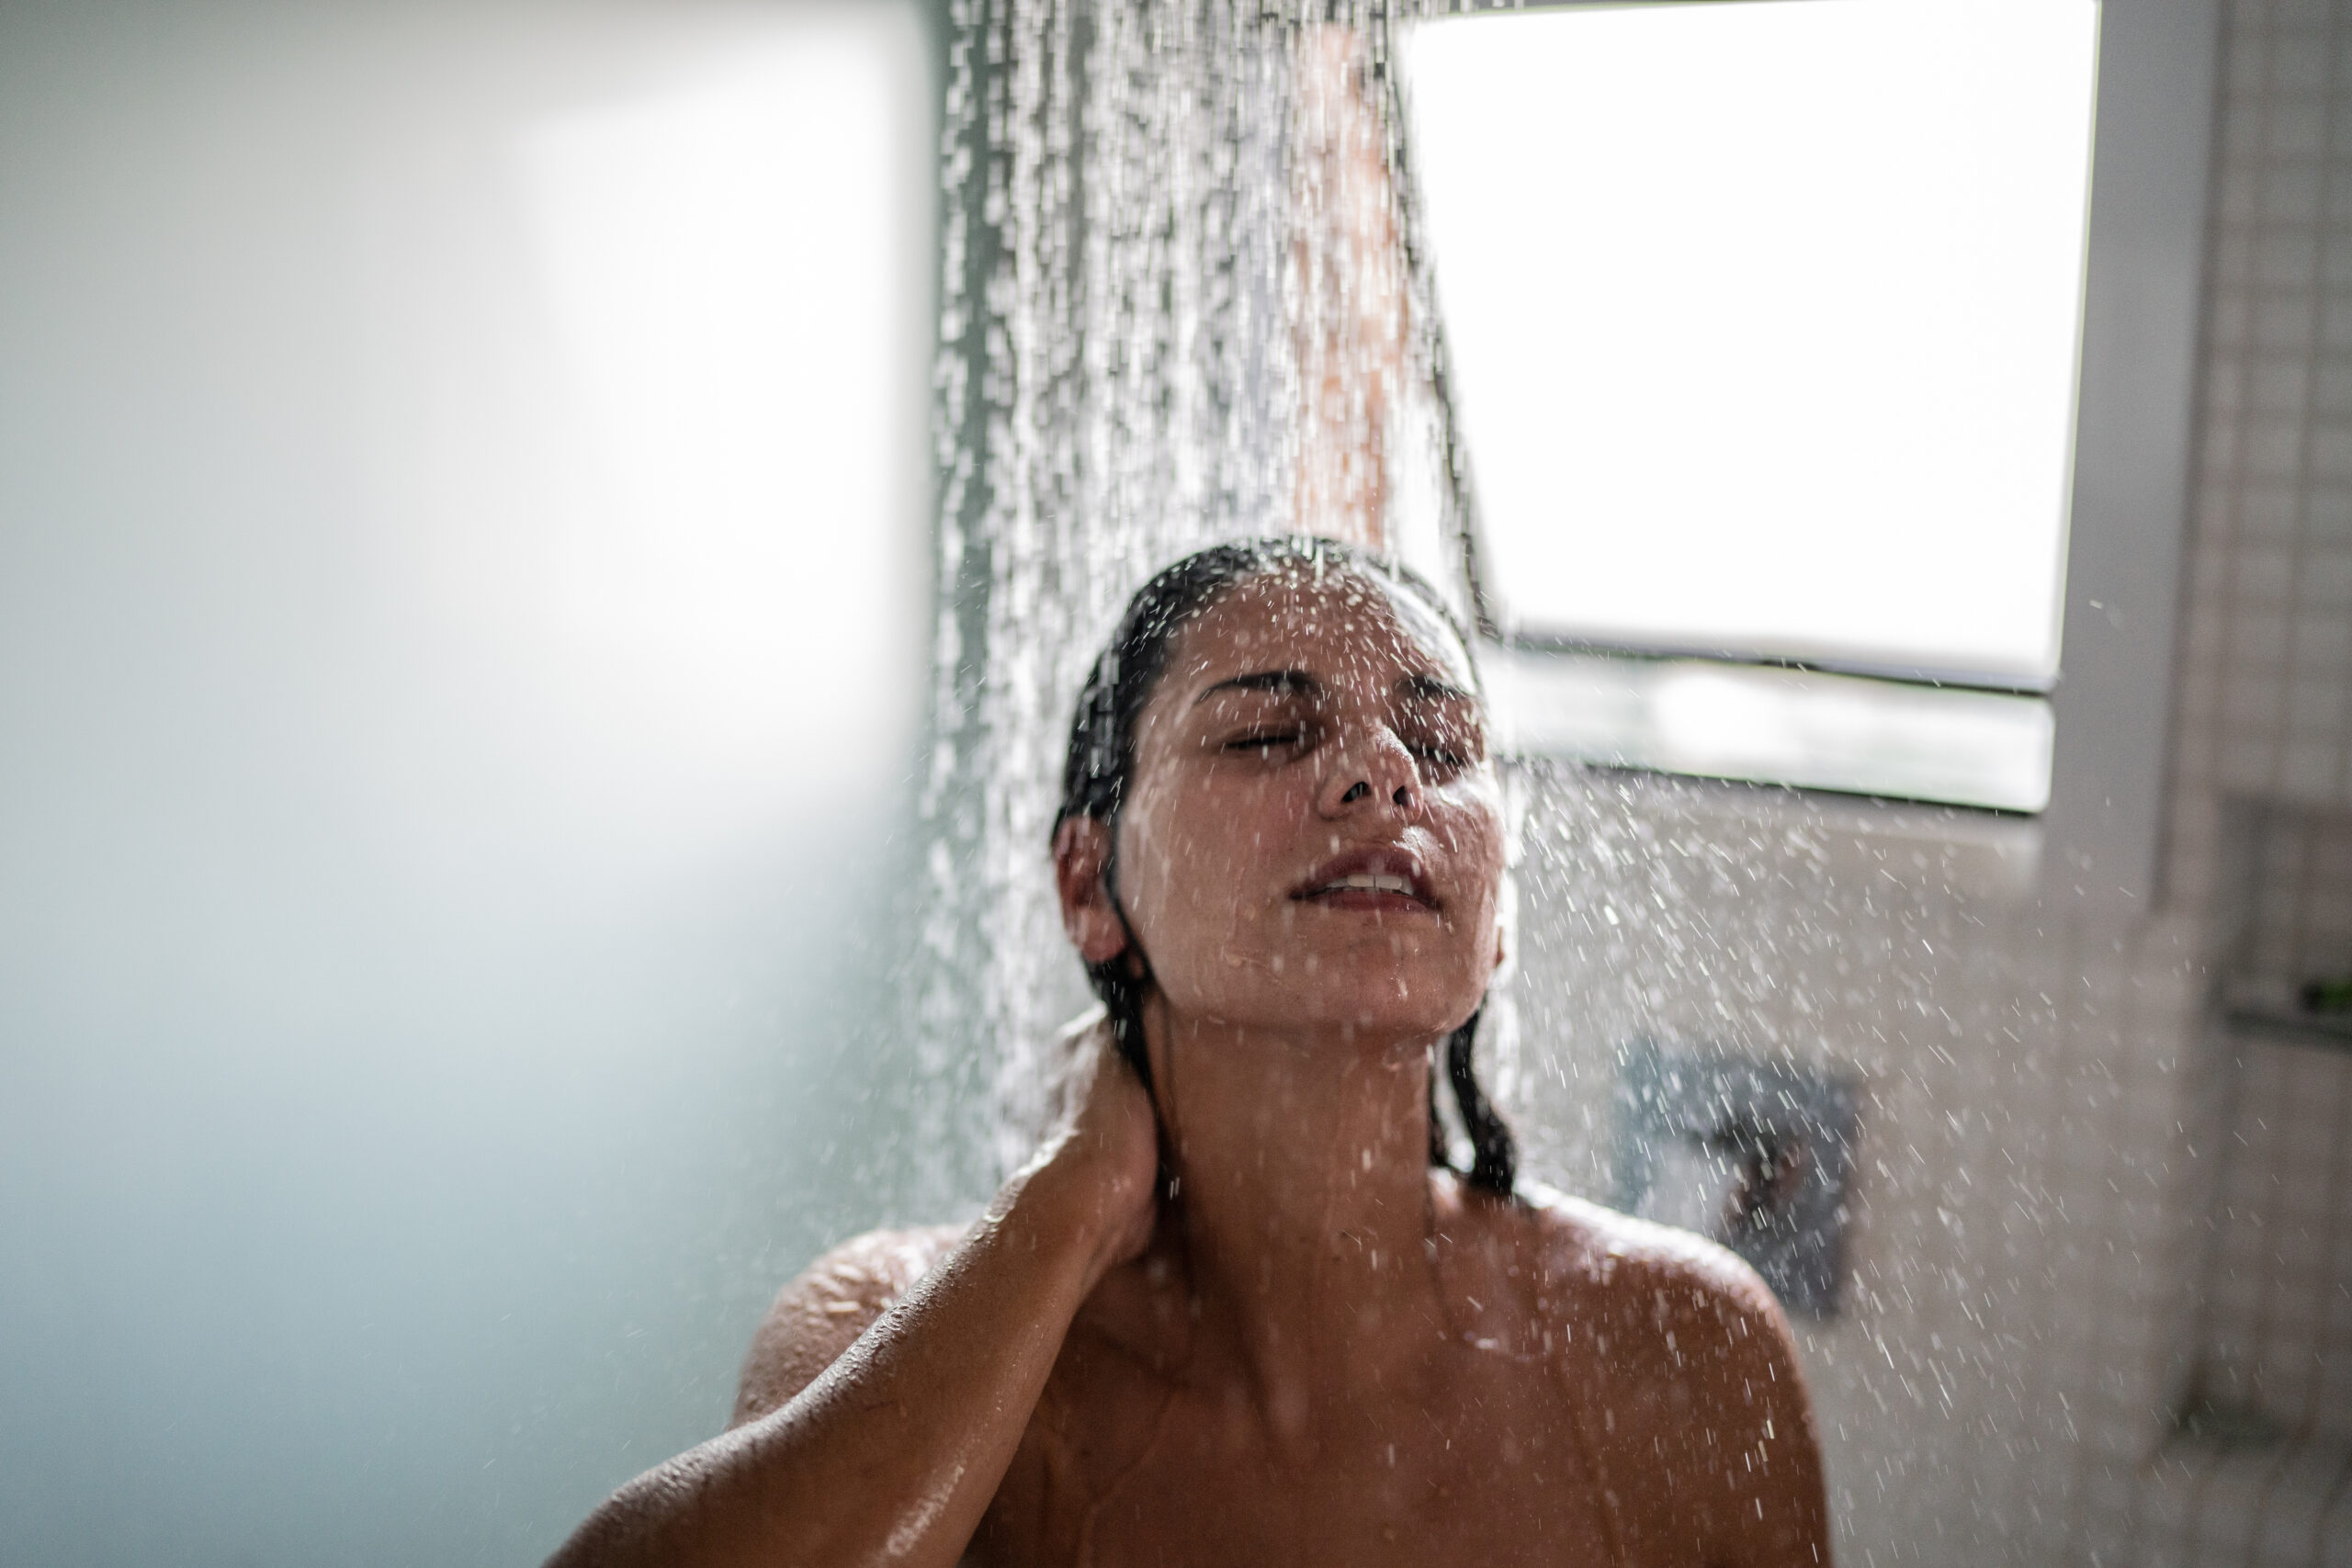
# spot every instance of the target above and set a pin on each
(1362, 997)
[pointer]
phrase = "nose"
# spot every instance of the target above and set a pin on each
(1373, 771)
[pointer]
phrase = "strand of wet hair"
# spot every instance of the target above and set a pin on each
(1122, 992)
(1494, 1152)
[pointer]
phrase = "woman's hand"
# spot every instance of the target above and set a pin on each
(1103, 1157)
(894, 1451)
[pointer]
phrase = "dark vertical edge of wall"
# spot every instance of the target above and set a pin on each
(2134, 446)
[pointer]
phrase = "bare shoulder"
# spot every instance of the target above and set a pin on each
(1636, 1300)
(1584, 1274)
(1657, 1269)
(1687, 1353)
(823, 1310)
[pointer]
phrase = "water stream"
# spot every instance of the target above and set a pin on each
(1178, 277)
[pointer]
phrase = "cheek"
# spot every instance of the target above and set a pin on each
(1197, 861)
(1471, 827)
(1473, 840)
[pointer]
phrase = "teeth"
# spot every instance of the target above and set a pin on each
(1365, 881)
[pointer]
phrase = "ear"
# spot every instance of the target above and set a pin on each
(1081, 853)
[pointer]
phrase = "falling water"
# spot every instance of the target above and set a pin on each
(1159, 320)
(1140, 277)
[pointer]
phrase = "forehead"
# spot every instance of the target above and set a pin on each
(1338, 625)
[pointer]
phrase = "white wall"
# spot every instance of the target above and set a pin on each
(2261, 798)
(2084, 1202)
(2021, 1239)
(458, 676)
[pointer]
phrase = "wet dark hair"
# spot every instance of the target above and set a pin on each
(1103, 760)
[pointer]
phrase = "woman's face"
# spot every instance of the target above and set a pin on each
(1313, 835)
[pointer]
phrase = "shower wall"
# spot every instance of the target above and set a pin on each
(462, 624)
(2010, 1343)
(2266, 674)
(2100, 1305)
(2261, 816)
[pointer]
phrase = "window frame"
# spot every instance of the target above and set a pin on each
(2134, 427)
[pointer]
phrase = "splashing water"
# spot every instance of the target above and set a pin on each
(1151, 310)
(1170, 316)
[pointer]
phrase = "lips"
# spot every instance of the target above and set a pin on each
(1379, 880)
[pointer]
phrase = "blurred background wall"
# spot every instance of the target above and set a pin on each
(464, 606)
(2100, 1304)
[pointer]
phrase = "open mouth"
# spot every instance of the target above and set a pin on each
(1376, 880)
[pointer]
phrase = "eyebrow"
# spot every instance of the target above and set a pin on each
(1298, 683)
(1288, 682)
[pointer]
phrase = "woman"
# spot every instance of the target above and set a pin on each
(1236, 1310)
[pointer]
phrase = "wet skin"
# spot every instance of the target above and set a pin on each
(1320, 1350)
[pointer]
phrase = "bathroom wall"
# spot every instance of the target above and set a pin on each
(447, 805)
(2086, 1207)
(2262, 769)
(2266, 676)
(2261, 818)
(2275, 1334)
(2011, 1340)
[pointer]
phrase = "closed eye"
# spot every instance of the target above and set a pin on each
(1448, 740)
(1445, 747)
(1263, 741)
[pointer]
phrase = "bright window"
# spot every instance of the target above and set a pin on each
(1762, 323)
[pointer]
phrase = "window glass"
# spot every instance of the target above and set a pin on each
(1762, 321)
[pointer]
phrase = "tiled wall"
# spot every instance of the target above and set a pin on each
(2083, 1205)
(2299, 893)
(2277, 1335)
(2264, 746)
(2262, 1473)
(2016, 1334)
(2265, 672)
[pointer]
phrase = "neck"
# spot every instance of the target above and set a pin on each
(1304, 1210)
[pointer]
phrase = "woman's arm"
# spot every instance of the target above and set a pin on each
(893, 1453)
(817, 1317)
